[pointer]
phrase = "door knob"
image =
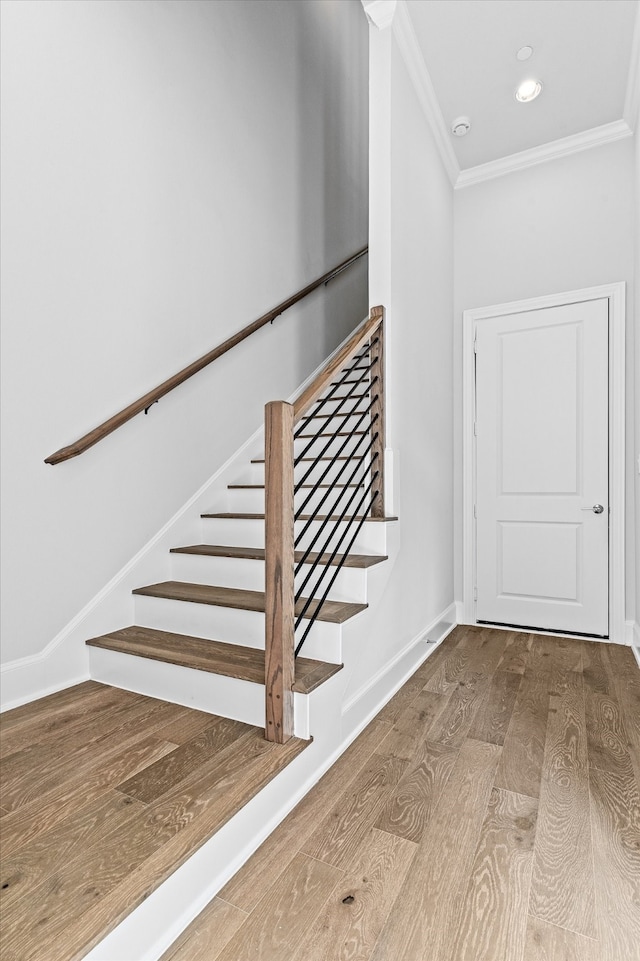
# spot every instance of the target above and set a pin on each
(597, 508)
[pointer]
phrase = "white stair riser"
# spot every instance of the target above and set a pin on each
(240, 532)
(323, 446)
(326, 500)
(344, 421)
(254, 473)
(199, 690)
(350, 584)
(229, 625)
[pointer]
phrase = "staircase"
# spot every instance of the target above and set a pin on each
(199, 638)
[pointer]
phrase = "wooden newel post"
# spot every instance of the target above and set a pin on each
(377, 370)
(279, 561)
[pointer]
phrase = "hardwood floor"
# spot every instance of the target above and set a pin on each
(103, 794)
(491, 812)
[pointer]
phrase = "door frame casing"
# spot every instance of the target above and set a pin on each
(615, 293)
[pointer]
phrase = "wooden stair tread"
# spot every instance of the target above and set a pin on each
(302, 460)
(348, 433)
(260, 487)
(229, 515)
(216, 657)
(333, 612)
(361, 561)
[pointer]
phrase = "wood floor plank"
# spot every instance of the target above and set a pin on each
(33, 862)
(133, 862)
(520, 768)
(283, 919)
(516, 654)
(402, 699)
(30, 765)
(169, 771)
(562, 887)
(182, 729)
(453, 723)
(628, 691)
(73, 715)
(410, 807)
(35, 712)
(412, 727)
(622, 661)
(445, 680)
(348, 927)
(493, 918)
(354, 812)
(547, 942)
(493, 716)
(425, 913)
(271, 858)
(555, 653)
(54, 806)
(615, 821)
(596, 669)
(207, 935)
(607, 741)
(59, 770)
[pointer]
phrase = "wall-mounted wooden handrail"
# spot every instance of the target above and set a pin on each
(106, 428)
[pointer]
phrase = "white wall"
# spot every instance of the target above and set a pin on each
(411, 241)
(558, 226)
(636, 315)
(170, 170)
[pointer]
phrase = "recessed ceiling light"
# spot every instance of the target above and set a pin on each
(524, 53)
(528, 90)
(461, 127)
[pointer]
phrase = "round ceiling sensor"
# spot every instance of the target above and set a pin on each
(461, 127)
(524, 53)
(528, 91)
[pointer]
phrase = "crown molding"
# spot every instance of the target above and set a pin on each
(631, 112)
(412, 55)
(596, 137)
(380, 12)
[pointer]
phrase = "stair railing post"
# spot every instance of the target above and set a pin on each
(279, 568)
(377, 370)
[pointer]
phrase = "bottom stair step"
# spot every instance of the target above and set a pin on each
(216, 657)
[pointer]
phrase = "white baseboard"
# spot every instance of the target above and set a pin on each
(393, 674)
(635, 640)
(169, 909)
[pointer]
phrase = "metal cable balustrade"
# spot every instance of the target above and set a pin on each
(324, 474)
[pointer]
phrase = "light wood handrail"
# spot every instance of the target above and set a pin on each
(108, 426)
(316, 389)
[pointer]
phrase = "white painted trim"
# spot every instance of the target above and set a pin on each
(65, 660)
(632, 99)
(596, 137)
(448, 621)
(635, 640)
(380, 13)
(616, 296)
(409, 47)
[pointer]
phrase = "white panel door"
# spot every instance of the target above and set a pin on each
(542, 554)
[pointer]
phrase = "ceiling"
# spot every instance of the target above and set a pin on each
(581, 53)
